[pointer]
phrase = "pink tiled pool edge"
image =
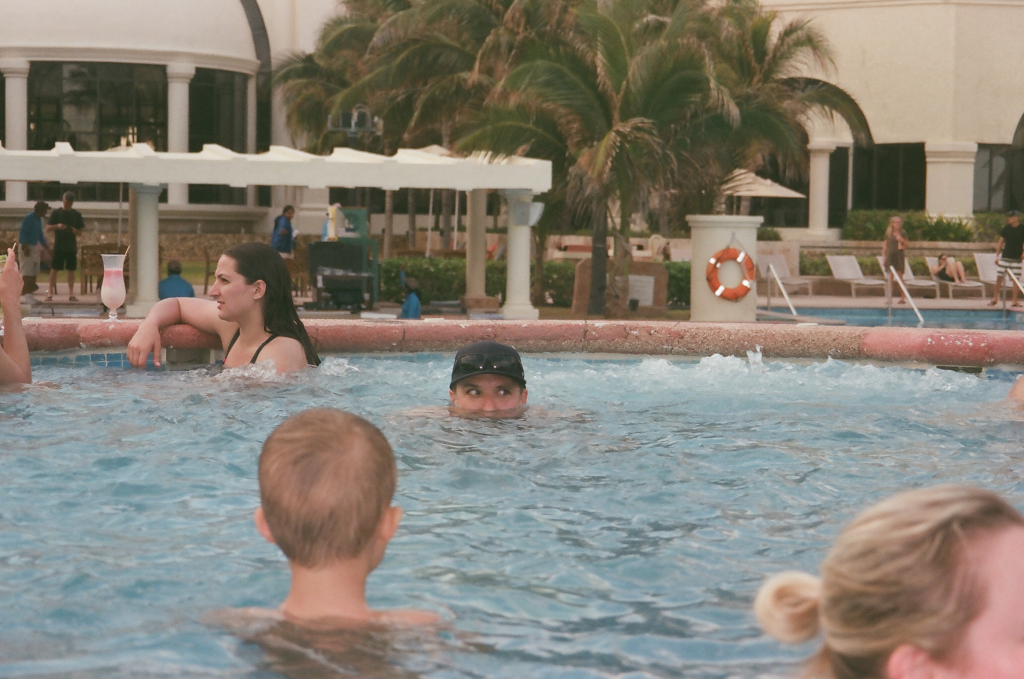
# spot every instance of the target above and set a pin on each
(969, 348)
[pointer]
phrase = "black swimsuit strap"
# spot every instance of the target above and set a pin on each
(256, 355)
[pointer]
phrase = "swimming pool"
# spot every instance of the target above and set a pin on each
(625, 538)
(972, 319)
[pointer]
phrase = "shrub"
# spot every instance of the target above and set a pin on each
(768, 233)
(871, 225)
(814, 264)
(678, 283)
(560, 281)
(987, 226)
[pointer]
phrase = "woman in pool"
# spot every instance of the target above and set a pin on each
(15, 364)
(928, 584)
(252, 312)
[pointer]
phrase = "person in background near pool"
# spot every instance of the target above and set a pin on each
(326, 483)
(252, 312)
(411, 306)
(488, 379)
(174, 285)
(1009, 250)
(949, 270)
(15, 364)
(65, 221)
(928, 584)
(283, 237)
(31, 245)
(893, 248)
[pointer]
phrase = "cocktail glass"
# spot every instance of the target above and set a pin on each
(112, 294)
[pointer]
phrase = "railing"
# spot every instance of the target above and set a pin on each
(1016, 282)
(905, 293)
(782, 288)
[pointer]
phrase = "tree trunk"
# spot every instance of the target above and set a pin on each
(447, 209)
(663, 226)
(412, 219)
(389, 222)
(599, 261)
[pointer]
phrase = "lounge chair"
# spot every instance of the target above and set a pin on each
(782, 269)
(988, 272)
(909, 280)
(846, 268)
(966, 285)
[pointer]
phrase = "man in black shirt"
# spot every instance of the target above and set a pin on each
(65, 222)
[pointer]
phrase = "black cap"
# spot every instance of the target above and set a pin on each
(1013, 213)
(488, 358)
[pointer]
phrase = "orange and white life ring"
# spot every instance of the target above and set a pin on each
(737, 292)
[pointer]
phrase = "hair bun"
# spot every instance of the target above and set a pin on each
(787, 606)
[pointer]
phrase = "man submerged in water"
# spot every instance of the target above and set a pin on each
(487, 380)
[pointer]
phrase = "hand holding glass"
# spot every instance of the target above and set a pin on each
(113, 293)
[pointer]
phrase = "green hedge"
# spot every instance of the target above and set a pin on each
(871, 225)
(445, 279)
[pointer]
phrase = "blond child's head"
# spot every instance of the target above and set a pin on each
(901, 587)
(326, 480)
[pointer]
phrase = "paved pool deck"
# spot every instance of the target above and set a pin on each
(966, 348)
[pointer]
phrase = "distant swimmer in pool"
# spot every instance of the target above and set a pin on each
(252, 312)
(15, 364)
(326, 482)
(928, 584)
(487, 380)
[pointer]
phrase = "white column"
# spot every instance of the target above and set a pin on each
(517, 287)
(817, 193)
(178, 77)
(476, 244)
(708, 235)
(949, 188)
(250, 132)
(16, 112)
(145, 242)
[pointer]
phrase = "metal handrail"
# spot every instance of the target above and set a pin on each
(1016, 282)
(910, 299)
(785, 295)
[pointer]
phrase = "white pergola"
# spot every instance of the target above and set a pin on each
(148, 172)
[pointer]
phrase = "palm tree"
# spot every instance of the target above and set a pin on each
(596, 103)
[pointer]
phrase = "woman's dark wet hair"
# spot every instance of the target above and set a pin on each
(260, 262)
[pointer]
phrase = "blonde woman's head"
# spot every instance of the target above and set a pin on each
(900, 586)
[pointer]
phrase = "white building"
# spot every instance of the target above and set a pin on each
(176, 73)
(941, 83)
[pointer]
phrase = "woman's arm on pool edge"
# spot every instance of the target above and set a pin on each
(1017, 390)
(201, 314)
(15, 364)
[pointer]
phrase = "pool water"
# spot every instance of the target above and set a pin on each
(625, 536)
(976, 319)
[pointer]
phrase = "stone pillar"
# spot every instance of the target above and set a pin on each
(145, 244)
(817, 194)
(476, 254)
(16, 112)
(709, 234)
(949, 190)
(250, 132)
(178, 78)
(517, 290)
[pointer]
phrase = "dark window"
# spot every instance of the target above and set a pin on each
(94, 107)
(838, 185)
(217, 115)
(889, 177)
(998, 178)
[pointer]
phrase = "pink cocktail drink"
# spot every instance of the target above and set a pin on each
(113, 294)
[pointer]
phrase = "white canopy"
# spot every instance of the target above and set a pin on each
(746, 184)
(280, 166)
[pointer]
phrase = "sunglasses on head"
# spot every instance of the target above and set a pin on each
(495, 361)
